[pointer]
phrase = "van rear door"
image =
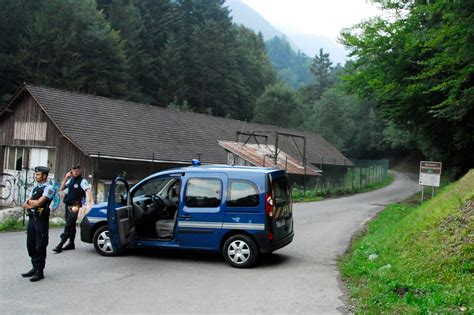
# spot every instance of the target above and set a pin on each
(281, 220)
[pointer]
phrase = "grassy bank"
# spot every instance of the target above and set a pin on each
(421, 257)
(321, 193)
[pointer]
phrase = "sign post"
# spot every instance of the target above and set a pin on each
(430, 175)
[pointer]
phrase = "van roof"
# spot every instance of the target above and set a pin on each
(222, 168)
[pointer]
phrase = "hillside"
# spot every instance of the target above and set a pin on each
(306, 43)
(421, 258)
(245, 15)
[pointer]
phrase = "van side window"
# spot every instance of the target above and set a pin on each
(203, 192)
(242, 193)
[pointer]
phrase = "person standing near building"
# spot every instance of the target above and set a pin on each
(76, 190)
(37, 230)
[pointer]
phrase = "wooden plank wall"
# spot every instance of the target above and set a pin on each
(26, 109)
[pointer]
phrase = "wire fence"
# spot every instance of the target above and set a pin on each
(340, 179)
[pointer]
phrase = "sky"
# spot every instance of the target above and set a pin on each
(317, 17)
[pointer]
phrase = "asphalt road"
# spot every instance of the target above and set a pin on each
(300, 278)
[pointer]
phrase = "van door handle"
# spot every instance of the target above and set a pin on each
(185, 216)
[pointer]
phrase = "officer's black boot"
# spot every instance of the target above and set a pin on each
(38, 275)
(59, 248)
(70, 245)
(29, 273)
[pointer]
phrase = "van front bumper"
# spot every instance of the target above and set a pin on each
(267, 246)
(86, 230)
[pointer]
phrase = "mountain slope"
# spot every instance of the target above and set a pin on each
(245, 15)
(307, 43)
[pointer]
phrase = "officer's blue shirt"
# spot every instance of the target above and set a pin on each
(84, 184)
(48, 192)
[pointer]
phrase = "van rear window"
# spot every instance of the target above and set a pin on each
(281, 191)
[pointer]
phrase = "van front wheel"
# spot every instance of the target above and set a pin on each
(102, 242)
(240, 251)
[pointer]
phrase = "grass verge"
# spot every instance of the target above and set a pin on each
(421, 257)
(322, 193)
(12, 225)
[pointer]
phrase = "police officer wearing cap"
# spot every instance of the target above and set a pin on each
(37, 237)
(76, 189)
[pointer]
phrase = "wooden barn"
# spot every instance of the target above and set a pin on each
(45, 126)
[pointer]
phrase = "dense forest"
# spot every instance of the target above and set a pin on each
(408, 85)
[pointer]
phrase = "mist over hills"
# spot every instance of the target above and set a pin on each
(245, 15)
(306, 43)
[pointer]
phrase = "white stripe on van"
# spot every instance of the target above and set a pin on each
(218, 225)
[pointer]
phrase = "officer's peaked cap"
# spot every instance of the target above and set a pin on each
(42, 169)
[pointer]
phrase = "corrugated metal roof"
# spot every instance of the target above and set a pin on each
(264, 155)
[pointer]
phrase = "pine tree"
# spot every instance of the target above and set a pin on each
(70, 45)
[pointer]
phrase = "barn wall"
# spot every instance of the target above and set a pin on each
(28, 126)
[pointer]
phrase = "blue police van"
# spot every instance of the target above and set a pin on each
(239, 211)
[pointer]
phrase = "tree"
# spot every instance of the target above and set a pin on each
(14, 18)
(330, 117)
(279, 106)
(255, 69)
(292, 68)
(418, 67)
(172, 88)
(321, 69)
(70, 45)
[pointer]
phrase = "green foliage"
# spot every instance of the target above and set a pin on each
(292, 67)
(70, 44)
(278, 106)
(355, 182)
(156, 52)
(330, 116)
(10, 225)
(14, 17)
(430, 252)
(418, 68)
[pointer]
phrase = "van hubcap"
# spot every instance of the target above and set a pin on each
(239, 252)
(103, 241)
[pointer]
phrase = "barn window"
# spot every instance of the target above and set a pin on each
(18, 158)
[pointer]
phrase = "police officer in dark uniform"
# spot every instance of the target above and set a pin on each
(38, 224)
(76, 190)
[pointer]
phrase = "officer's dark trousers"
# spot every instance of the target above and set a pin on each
(37, 239)
(70, 228)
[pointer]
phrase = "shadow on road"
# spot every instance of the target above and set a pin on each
(265, 260)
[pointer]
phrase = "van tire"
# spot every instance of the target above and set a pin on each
(240, 251)
(101, 242)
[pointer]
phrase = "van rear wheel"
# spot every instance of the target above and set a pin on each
(240, 251)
